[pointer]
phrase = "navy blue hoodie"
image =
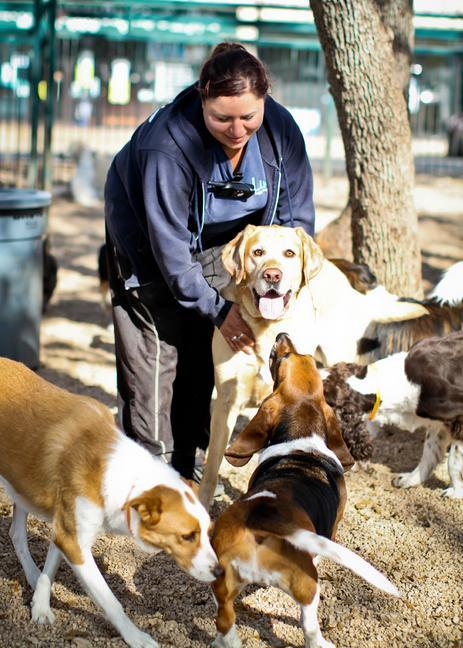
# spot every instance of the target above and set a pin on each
(156, 184)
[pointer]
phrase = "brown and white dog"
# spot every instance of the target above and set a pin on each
(282, 282)
(62, 459)
(294, 503)
(419, 388)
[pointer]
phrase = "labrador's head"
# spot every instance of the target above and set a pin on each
(271, 264)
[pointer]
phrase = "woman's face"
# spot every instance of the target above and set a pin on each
(233, 120)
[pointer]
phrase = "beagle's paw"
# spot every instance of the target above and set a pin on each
(229, 640)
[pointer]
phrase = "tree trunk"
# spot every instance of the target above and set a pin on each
(372, 115)
(397, 15)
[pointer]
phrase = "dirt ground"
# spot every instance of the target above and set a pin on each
(414, 536)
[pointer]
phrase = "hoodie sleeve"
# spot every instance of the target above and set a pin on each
(168, 187)
(296, 189)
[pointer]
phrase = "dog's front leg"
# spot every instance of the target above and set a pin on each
(226, 589)
(434, 449)
(94, 583)
(223, 420)
(41, 612)
(18, 535)
(455, 466)
(310, 626)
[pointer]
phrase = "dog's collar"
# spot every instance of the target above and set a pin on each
(375, 409)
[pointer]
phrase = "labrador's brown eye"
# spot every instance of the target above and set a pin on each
(189, 537)
(289, 253)
(258, 252)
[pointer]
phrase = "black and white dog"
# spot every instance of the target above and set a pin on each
(419, 388)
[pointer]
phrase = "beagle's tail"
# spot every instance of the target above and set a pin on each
(315, 544)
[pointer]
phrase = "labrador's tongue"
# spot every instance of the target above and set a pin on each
(271, 307)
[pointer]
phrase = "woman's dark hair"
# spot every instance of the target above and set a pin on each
(231, 71)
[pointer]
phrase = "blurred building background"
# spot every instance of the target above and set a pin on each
(111, 64)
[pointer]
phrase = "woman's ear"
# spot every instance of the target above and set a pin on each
(313, 255)
(335, 440)
(233, 254)
(255, 435)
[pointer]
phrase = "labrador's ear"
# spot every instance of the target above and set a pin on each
(335, 440)
(313, 255)
(233, 254)
(255, 435)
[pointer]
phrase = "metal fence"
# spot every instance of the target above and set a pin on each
(100, 100)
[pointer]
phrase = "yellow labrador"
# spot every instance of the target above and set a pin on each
(271, 267)
(282, 283)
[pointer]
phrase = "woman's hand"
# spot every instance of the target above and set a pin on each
(237, 333)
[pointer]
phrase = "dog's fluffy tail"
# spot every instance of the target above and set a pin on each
(449, 290)
(315, 544)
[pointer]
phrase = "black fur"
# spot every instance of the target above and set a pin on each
(311, 482)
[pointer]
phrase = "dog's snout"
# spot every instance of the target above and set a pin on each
(217, 571)
(272, 275)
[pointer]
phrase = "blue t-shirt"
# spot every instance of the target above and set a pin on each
(224, 217)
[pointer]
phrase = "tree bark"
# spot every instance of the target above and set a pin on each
(372, 114)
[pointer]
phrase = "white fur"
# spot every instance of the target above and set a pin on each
(315, 544)
(264, 493)
(449, 290)
(230, 640)
(130, 470)
(399, 396)
(307, 444)
(120, 484)
(310, 625)
(251, 571)
(399, 400)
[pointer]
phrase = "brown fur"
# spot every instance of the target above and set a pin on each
(54, 454)
(350, 407)
(359, 275)
(436, 365)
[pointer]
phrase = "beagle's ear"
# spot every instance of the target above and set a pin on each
(149, 508)
(335, 440)
(233, 254)
(255, 435)
(313, 255)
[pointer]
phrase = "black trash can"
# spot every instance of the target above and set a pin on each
(23, 223)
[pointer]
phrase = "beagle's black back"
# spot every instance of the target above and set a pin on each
(308, 481)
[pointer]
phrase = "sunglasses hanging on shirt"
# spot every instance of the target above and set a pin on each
(234, 189)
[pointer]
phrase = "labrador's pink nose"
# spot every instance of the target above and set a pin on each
(272, 275)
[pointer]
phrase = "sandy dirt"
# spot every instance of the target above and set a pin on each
(414, 536)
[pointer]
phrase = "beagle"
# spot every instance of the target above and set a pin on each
(294, 503)
(281, 282)
(63, 459)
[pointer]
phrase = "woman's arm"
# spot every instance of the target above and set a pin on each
(168, 187)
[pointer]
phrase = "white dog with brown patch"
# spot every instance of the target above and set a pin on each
(62, 459)
(282, 283)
